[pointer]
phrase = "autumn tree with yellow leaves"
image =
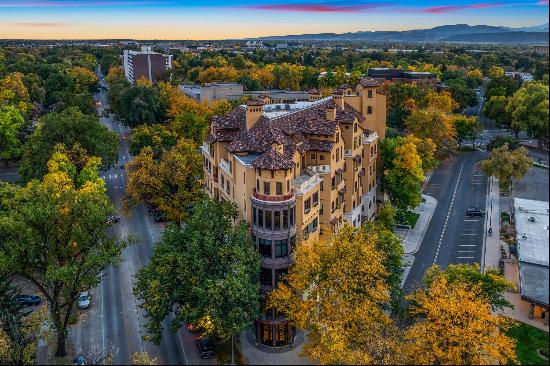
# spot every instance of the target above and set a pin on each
(454, 325)
(171, 183)
(336, 290)
(54, 235)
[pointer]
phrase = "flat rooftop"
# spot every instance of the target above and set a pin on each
(277, 110)
(531, 219)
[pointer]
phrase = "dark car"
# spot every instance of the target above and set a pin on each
(474, 211)
(192, 328)
(205, 347)
(113, 219)
(28, 300)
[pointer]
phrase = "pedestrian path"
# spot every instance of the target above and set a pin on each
(412, 238)
(492, 242)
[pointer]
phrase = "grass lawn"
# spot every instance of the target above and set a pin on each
(407, 218)
(529, 339)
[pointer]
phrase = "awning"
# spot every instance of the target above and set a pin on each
(357, 157)
(339, 171)
(343, 190)
(361, 172)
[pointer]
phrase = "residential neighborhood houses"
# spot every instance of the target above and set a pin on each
(273, 201)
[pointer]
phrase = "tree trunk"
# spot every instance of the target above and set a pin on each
(232, 349)
(61, 340)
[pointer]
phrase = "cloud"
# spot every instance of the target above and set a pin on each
(315, 7)
(542, 2)
(452, 8)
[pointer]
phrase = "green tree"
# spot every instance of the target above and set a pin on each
(19, 332)
(490, 283)
(386, 215)
(529, 109)
(499, 141)
(495, 109)
(205, 270)
(54, 235)
(157, 136)
(191, 126)
(467, 128)
(461, 92)
(68, 127)
(505, 164)
(171, 182)
(11, 122)
(141, 104)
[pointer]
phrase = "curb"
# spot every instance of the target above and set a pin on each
(423, 232)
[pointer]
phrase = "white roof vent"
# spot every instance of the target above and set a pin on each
(524, 236)
(531, 219)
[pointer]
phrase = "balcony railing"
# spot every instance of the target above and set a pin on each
(224, 165)
(348, 153)
(321, 169)
(370, 138)
(275, 198)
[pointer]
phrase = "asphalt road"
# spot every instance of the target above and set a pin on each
(114, 317)
(451, 236)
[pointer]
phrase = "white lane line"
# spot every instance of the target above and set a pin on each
(468, 245)
(464, 257)
(466, 251)
(448, 214)
(468, 234)
(471, 220)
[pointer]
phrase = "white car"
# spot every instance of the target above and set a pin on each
(84, 300)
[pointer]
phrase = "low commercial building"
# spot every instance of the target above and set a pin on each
(292, 169)
(531, 221)
(523, 76)
(145, 64)
(210, 92)
(399, 76)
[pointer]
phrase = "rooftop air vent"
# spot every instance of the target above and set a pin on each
(531, 219)
(524, 236)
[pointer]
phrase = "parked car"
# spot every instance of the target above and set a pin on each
(205, 347)
(28, 300)
(113, 219)
(474, 211)
(84, 300)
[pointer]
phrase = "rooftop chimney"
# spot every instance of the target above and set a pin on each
(254, 110)
(338, 96)
(330, 113)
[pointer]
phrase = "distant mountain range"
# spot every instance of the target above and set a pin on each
(444, 33)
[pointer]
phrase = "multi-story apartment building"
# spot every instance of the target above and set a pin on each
(145, 63)
(399, 76)
(292, 169)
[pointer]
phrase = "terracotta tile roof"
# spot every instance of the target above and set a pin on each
(292, 130)
(369, 82)
(255, 102)
(272, 160)
(320, 145)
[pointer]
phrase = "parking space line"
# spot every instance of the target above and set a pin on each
(467, 245)
(464, 257)
(471, 220)
(468, 234)
(466, 251)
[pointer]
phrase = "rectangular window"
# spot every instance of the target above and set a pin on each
(267, 187)
(337, 138)
(277, 217)
(312, 156)
(268, 222)
(292, 216)
(321, 184)
(223, 181)
(369, 110)
(228, 190)
(278, 188)
(281, 248)
(369, 93)
(261, 218)
(264, 247)
(258, 185)
(254, 215)
(315, 199)
(321, 157)
(333, 183)
(321, 209)
(307, 205)
(288, 185)
(338, 155)
(314, 224)
(244, 177)
(285, 219)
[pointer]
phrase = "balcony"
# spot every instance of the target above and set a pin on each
(225, 166)
(305, 182)
(206, 148)
(321, 169)
(348, 153)
(275, 198)
(370, 138)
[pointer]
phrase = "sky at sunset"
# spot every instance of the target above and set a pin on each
(220, 19)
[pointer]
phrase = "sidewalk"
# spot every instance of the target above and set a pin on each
(412, 238)
(255, 356)
(491, 243)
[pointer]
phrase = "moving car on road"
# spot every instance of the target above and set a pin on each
(474, 211)
(113, 219)
(84, 300)
(205, 347)
(28, 300)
